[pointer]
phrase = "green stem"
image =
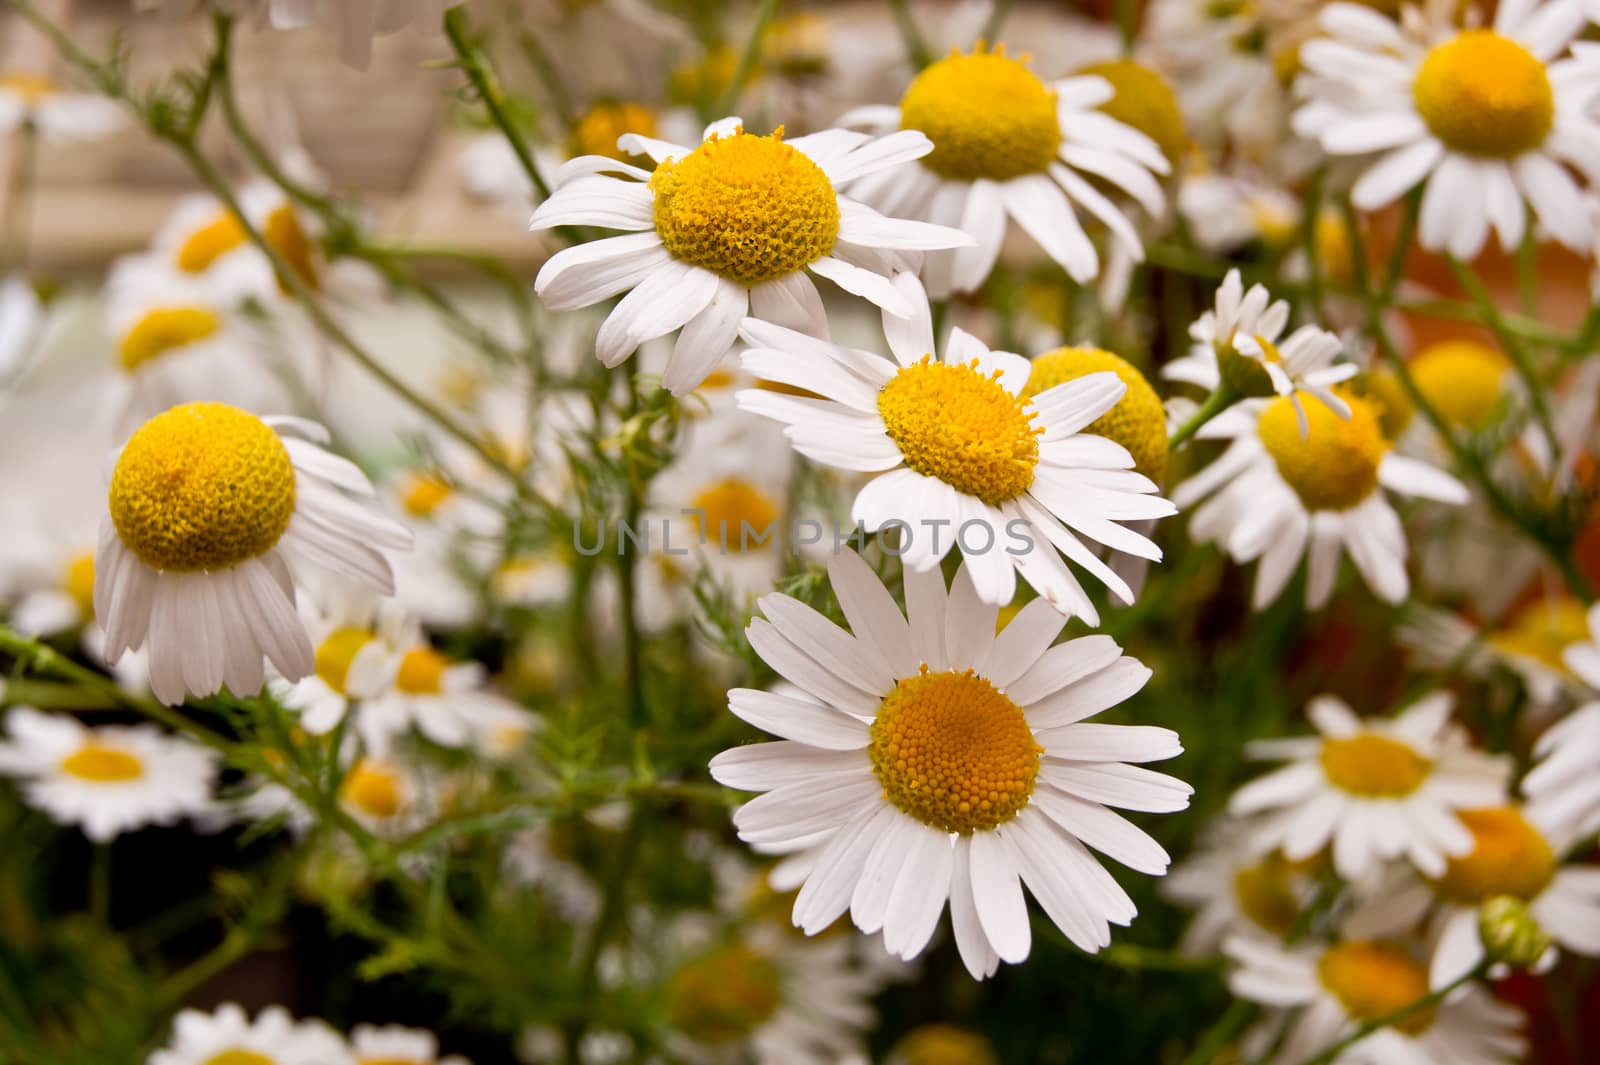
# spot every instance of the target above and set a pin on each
(1134, 957)
(1332, 1051)
(1228, 1025)
(1221, 398)
(482, 76)
(1513, 346)
(747, 59)
(916, 47)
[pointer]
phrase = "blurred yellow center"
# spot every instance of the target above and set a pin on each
(987, 115)
(1543, 629)
(335, 654)
(597, 131)
(1138, 422)
(210, 242)
(373, 789)
(1462, 379)
(724, 996)
(1388, 397)
(961, 426)
(944, 1044)
(1486, 95)
(751, 209)
(1373, 980)
(1374, 766)
(1145, 101)
(102, 765)
(289, 239)
(423, 494)
(1508, 857)
(1335, 466)
(953, 752)
(78, 582)
(163, 329)
(33, 88)
(204, 486)
(422, 672)
(735, 514)
(1266, 895)
(238, 1056)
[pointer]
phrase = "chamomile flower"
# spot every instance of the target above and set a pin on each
(1488, 118)
(1330, 990)
(441, 698)
(106, 780)
(1008, 145)
(962, 454)
(206, 507)
(1376, 789)
(202, 239)
(359, 645)
(387, 795)
(228, 1035)
(1565, 781)
(1529, 643)
(1466, 381)
(60, 116)
(22, 319)
(1235, 890)
(735, 226)
(393, 1044)
(933, 761)
(1278, 495)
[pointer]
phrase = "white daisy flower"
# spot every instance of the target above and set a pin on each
(387, 795)
(1235, 890)
(60, 116)
(1330, 990)
(22, 319)
(392, 1044)
(1529, 643)
(962, 454)
(443, 699)
(206, 507)
(1006, 144)
(1277, 495)
(1377, 789)
(730, 228)
(107, 780)
(940, 762)
(273, 1038)
(1490, 118)
(1564, 784)
(359, 645)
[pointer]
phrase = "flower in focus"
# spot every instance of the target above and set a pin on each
(228, 1036)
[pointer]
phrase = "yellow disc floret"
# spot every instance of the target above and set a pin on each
(751, 209)
(294, 246)
(1374, 766)
(78, 582)
(424, 493)
(102, 765)
(335, 654)
(597, 131)
(204, 486)
(943, 1044)
(724, 996)
(33, 88)
(1508, 857)
(959, 425)
(1144, 100)
(1372, 979)
(953, 752)
(1138, 422)
(1335, 466)
(736, 514)
(373, 788)
(211, 242)
(1463, 380)
(1486, 95)
(162, 330)
(1543, 629)
(1265, 893)
(1388, 397)
(988, 116)
(239, 1056)
(422, 672)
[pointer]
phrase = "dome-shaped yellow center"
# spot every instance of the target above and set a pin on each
(961, 426)
(1372, 980)
(335, 654)
(102, 765)
(953, 752)
(78, 582)
(943, 1044)
(751, 209)
(1463, 379)
(597, 131)
(1508, 857)
(1144, 100)
(988, 116)
(164, 329)
(293, 244)
(373, 788)
(1389, 400)
(422, 672)
(204, 486)
(1335, 466)
(1138, 422)
(1265, 893)
(239, 1056)
(1373, 766)
(1543, 629)
(724, 996)
(736, 515)
(210, 242)
(1486, 95)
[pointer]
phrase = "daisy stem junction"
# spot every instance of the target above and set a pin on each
(1221, 398)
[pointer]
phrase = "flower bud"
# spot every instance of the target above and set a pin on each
(1510, 933)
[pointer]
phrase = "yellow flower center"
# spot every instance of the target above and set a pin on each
(1138, 422)
(163, 329)
(102, 765)
(725, 996)
(423, 494)
(1486, 95)
(953, 752)
(705, 79)
(239, 1056)
(78, 582)
(392, 1061)
(1389, 400)
(1373, 766)
(1266, 895)
(1333, 248)
(1243, 373)
(987, 115)
(210, 242)
(1143, 99)
(335, 654)
(1372, 980)
(204, 486)
(33, 88)
(959, 425)
(1335, 466)
(1508, 857)
(597, 131)
(1463, 379)
(289, 239)
(373, 788)
(944, 1044)
(1543, 629)
(736, 514)
(751, 209)
(422, 672)
(797, 46)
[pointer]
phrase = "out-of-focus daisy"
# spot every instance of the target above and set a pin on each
(1331, 990)
(942, 1044)
(228, 1035)
(207, 505)
(358, 649)
(1529, 643)
(1565, 783)
(1377, 789)
(963, 456)
(1008, 145)
(1465, 381)
(1236, 890)
(1279, 494)
(392, 1044)
(106, 780)
(933, 761)
(1226, 211)
(21, 319)
(1487, 148)
(730, 228)
(387, 795)
(60, 116)
(441, 698)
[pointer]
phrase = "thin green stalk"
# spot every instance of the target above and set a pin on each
(995, 22)
(1221, 398)
(747, 59)
(1151, 959)
(482, 76)
(15, 230)
(916, 47)
(1218, 1035)
(1479, 294)
(1332, 1051)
